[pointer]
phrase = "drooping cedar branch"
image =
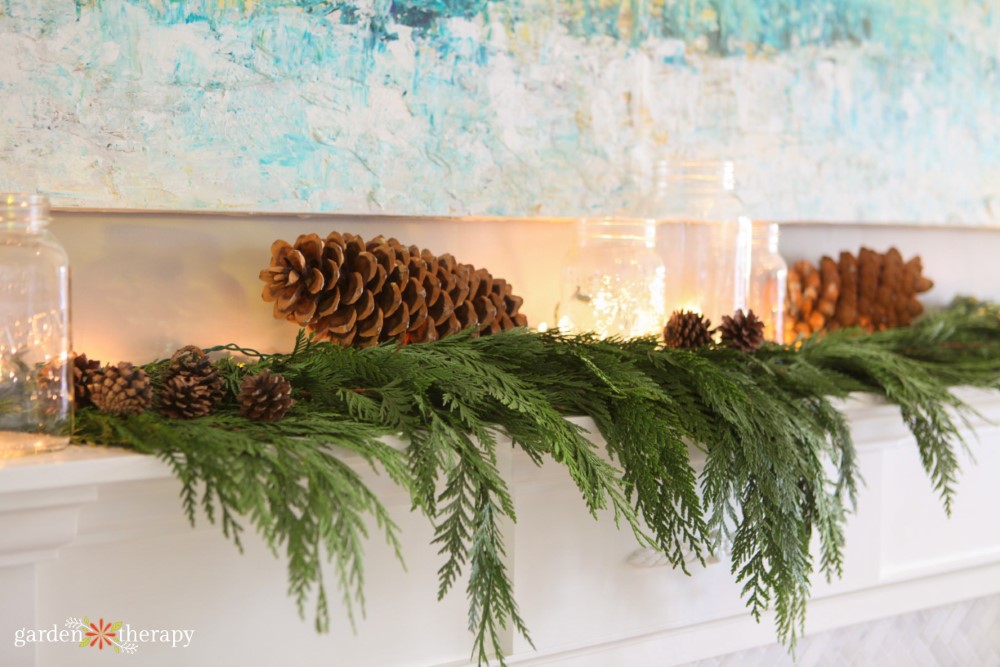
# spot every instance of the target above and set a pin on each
(765, 422)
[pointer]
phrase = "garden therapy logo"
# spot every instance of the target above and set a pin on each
(100, 634)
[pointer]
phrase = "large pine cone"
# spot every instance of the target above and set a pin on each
(193, 386)
(367, 293)
(688, 330)
(265, 397)
(121, 390)
(742, 332)
(872, 290)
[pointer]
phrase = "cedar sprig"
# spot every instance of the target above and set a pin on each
(763, 425)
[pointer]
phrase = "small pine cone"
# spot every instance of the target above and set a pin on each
(191, 362)
(193, 366)
(184, 397)
(742, 332)
(687, 329)
(121, 390)
(83, 371)
(265, 397)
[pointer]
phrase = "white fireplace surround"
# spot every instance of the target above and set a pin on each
(100, 532)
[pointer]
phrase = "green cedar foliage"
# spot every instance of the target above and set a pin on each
(778, 470)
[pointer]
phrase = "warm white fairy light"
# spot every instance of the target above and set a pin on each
(613, 305)
(614, 280)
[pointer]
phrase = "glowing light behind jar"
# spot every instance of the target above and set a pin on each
(613, 281)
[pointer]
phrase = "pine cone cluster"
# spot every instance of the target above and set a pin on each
(265, 396)
(192, 386)
(357, 293)
(687, 330)
(874, 291)
(743, 332)
(120, 390)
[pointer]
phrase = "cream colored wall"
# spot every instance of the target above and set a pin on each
(145, 284)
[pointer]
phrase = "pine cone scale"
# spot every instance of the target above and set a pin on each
(365, 305)
(390, 299)
(397, 323)
(352, 289)
(341, 322)
(371, 327)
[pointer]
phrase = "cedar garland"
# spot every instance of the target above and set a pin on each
(765, 421)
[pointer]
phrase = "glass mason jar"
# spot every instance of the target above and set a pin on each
(612, 281)
(36, 406)
(768, 281)
(703, 236)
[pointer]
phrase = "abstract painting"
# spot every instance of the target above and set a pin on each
(833, 110)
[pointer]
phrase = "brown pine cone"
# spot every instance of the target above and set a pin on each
(360, 294)
(192, 360)
(121, 390)
(742, 332)
(265, 396)
(83, 370)
(185, 397)
(192, 365)
(297, 277)
(687, 329)
(874, 291)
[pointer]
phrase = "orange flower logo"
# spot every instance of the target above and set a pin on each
(101, 634)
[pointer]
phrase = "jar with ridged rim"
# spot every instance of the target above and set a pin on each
(36, 368)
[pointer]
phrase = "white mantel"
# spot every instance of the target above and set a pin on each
(100, 532)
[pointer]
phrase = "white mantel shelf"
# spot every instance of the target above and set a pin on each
(590, 599)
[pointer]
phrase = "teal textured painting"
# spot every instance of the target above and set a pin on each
(853, 110)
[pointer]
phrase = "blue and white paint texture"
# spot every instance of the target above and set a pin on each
(853, 110)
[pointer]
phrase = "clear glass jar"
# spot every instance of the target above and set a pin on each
(36, 406)
(703, 236)
(768, 281)
(613, 279)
